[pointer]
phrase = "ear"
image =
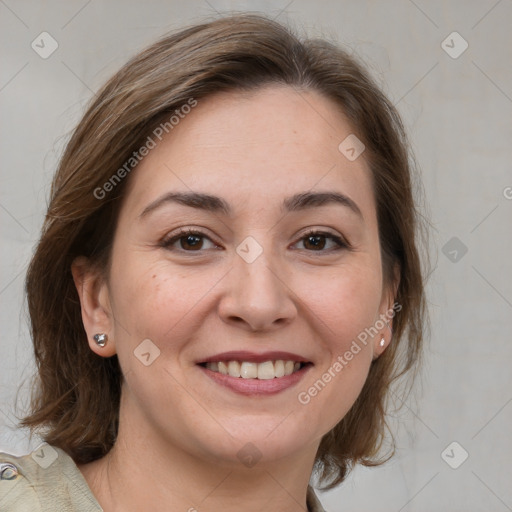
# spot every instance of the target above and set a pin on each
(95, 305)
(386, 313)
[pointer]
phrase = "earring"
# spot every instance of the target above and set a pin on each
(101, 339)
(382, 342)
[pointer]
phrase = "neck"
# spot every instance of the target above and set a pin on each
(145, 472)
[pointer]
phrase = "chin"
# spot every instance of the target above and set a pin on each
(257, 439)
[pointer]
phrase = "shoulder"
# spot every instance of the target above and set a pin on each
(313, 502)
(46, 479)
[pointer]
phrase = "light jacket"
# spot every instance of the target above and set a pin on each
(49, 480)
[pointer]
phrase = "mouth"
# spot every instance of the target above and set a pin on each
(256, 374)
(251, 370)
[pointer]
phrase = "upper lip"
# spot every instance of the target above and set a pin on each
(254, 357)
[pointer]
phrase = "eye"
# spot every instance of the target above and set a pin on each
(189, 240)
(317, 241)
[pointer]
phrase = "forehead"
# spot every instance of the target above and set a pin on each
(254, 147)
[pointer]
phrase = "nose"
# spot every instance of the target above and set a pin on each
(257, 296)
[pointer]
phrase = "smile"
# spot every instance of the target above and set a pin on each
(251, 370)
(250, 373)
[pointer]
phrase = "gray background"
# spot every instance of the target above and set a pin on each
(458, 112)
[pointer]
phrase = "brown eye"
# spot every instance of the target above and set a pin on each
(314, 242)
(193, 242)
(317, 241)
(189, 241)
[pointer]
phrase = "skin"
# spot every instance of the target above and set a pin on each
(180, 432)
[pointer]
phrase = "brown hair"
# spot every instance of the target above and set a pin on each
(75, 403)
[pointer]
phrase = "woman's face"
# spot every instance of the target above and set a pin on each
(271, 271)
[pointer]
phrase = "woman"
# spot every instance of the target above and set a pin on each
(226, 284)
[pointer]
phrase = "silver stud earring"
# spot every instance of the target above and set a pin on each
(101, 339)
(382, 342)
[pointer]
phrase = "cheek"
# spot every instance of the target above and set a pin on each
(154, 299)
(343, 307)
(344, 302)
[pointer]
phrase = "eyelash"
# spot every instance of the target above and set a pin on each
(183, 233)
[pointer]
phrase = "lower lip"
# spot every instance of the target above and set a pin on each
(257, 386)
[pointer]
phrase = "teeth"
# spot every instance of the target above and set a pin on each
(234, 369)
(279, 368)
(249, 370)
(223, 368)
(266, 370)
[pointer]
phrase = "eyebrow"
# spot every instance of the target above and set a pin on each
(215, 204)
